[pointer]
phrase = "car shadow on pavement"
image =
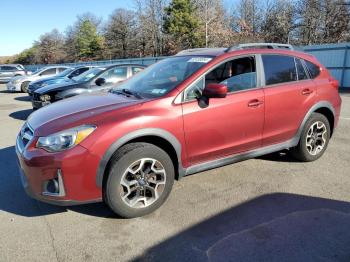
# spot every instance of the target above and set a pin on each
(282, 156)
(14, 200)
(22, 114)
(273, 227)
(23, 98)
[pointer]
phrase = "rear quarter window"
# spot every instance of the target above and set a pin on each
(314, 70)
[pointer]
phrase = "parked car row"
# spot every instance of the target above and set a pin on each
(54, 83)
(8, 71)
(197, 110)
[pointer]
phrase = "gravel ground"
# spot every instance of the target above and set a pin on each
(267, 209)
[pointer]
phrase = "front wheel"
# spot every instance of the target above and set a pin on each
(24, 86)
(140, 179)
(314, 139)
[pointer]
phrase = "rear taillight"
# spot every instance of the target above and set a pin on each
(334, 82)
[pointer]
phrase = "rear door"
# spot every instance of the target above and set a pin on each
(228, 125)
(289, 93)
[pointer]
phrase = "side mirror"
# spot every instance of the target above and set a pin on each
(215, 91)
(100, 81)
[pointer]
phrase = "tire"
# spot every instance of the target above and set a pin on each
(307, 150)
(122, 198)
(24, 87)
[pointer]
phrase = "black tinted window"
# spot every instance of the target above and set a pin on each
(314, 70)
(301, 70)
(279, 69)
(79, 71)
(8, 68)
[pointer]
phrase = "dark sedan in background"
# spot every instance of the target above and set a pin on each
(93, 80)
(63, 77)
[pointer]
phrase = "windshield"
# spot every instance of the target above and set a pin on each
(88, 74)
(65, 72)
(162, 77)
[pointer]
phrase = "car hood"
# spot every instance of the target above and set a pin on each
(84, 109)
(58, 87)
(40, 81)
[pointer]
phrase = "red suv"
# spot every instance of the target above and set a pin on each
(197, 110)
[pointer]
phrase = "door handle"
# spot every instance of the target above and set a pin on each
(306, 92)
(255, 103)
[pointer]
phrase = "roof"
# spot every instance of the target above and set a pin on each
(250, 46)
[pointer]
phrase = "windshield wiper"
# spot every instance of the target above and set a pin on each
(127, 93)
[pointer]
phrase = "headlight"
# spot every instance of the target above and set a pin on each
(65, 139)
(45, 98)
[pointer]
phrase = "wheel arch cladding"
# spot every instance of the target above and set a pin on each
(322, 107)
(329, 115)
(155, 136)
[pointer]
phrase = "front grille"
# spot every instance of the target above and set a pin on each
(25, 136)
(36, 97)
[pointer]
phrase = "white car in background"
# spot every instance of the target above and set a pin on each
(20, 83)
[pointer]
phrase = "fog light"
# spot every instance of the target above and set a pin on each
(45, 98)
(54, 187)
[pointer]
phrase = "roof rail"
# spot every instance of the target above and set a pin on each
(260, 45)
(186, 51)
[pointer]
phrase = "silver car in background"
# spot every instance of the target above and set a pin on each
(20, 83)
(8, 71)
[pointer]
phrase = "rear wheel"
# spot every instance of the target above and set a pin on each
(314, 139)
(140, 179)
(24, 86)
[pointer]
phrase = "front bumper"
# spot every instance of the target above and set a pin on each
(39, 104)
(13, 87)
(37, 167)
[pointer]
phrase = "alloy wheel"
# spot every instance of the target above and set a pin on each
(316, 138)
(142, 183)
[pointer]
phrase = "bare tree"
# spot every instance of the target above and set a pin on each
(215, 22)
(49, 48)
(120, 34)
(279, 20)
(150, 15)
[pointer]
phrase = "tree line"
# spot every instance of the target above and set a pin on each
(163, 27)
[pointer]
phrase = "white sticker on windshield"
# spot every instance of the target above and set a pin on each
(199, 60)
(158, 91)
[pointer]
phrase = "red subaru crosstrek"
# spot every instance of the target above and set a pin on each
(197, 110)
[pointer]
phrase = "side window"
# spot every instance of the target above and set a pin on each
(51, 71)
(79, 71)
(279, 69)
(313, 69)
(135, 70)
(195, 90)
(238, 74)
(300, 69)
(8, 68)
(61, 69)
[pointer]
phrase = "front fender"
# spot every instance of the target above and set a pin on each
(71, 92)
(133, 135)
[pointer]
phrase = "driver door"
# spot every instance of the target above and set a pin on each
(229, 125)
